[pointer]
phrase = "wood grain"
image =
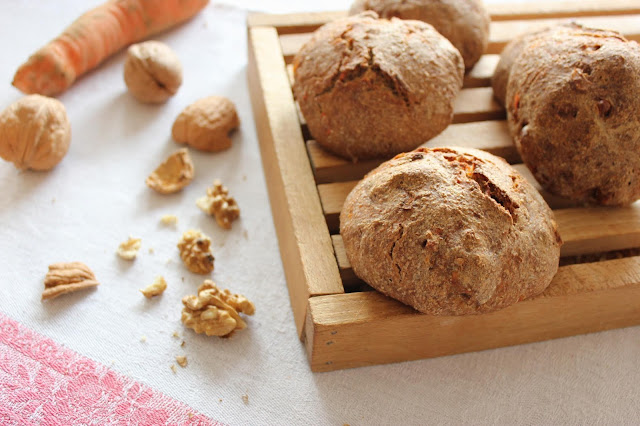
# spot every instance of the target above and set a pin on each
(359, 329)
(306, 22)
(491, 136)
(305, 244)
(502, 32)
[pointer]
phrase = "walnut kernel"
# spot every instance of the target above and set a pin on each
(181, 360)
(206, 124)
(156, 288)
(195, 252)
(128, 250)
(169, 220)
(219, 204)
(173, 174)
(68, 277)
(215, 312)
(34, 133)
(152, 72)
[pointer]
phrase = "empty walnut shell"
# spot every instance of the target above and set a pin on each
(152, 72)
(206, 124)
(34, 133)
(173, 174)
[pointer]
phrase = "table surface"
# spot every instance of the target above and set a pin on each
(96, 198)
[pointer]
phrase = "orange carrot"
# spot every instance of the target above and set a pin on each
(96, 35)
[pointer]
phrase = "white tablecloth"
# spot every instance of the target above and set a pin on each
(96, 198)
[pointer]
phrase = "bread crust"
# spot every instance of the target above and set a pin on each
(465, 23)
(572, 109)
(450, 231)
(371, 88)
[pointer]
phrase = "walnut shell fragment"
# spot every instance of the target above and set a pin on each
(219, 204)
(68, 277)
(156, 288)
(206, 124)
(215, 312)
(173, 174)
(195, 252)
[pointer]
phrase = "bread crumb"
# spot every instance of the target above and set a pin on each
(150, 250)
(173, 368)
(128, 250)
(143, 339)
(181, 360)
(245, 398)
(154, 289)
(169, 220)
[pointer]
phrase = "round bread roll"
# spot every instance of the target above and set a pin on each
(512, 50)
(372, 87)
(572, 109)
(450, 231)
(465, 23)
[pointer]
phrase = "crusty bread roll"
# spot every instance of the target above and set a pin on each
(573, 111)
(371, 87)
(465, 23)
(450, 231)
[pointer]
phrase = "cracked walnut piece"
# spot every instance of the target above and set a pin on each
(155, 289)
(206, 124)
(173, 174)
(215, 312)
(195, 252)
(128, 250)
(219, 204)
(68, 277)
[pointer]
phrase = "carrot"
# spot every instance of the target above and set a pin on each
(96, 35)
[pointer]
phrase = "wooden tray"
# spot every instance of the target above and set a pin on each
(341, 321)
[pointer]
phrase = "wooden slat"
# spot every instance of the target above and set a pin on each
(583, 230)
(358, 329)
(502, 32)
(305, 243)
(562, 9)
(306, 22)
(491, 136)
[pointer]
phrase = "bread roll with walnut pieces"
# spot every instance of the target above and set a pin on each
(450, 231)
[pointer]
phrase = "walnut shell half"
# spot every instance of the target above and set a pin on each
(34, 133)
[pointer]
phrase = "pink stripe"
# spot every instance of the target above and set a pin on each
(44, 383)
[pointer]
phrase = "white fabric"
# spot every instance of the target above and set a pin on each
(96, 198)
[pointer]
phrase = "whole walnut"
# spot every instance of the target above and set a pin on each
(34, 133)
(152, 72)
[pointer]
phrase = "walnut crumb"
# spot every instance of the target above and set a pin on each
(215, 312)
(182, 344)
(156, 288)
(65, 278)
(173, 174)
(169, 220)
(195, 252)
(181, 360)
(128, 250)
(143, 339)
(151, 250)
(245, 398)
(219, 204)
(173, 368)
(176, 335)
